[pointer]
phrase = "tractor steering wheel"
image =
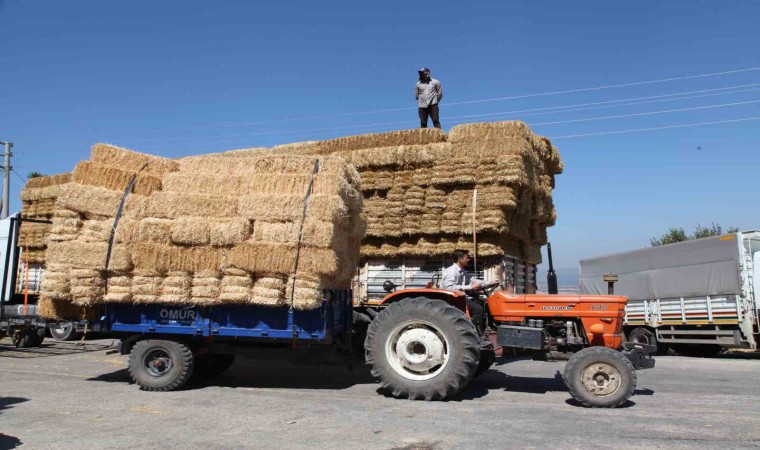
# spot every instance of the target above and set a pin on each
(484, 289)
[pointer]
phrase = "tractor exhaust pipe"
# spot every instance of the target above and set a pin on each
(551, 277)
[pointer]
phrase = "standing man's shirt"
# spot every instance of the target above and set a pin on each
(456, 279)
(428, 93)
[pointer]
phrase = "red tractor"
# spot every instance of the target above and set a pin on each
(421, 343)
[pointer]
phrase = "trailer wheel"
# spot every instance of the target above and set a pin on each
(160, 365)
(600, 377)
(421, 348)
(213, 364)
(26, 339)
(64, 331)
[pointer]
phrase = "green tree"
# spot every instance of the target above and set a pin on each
(34, 174)
(679, 235)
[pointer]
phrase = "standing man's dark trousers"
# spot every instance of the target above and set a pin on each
(431, 111)
(477, 313)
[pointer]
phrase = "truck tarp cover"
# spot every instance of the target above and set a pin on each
(708, 266)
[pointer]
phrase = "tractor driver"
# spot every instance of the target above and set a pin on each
(456, 278)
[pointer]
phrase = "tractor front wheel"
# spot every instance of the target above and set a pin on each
(420, 348)
(600, 377)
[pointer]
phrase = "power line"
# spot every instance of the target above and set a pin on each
(531, 112)
(514, 97)
(688, 125)
(645, 113)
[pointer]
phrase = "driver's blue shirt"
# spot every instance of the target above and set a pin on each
(456, 279)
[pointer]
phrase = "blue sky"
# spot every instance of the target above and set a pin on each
(177, 78)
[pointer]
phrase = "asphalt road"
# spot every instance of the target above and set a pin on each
(65, 395)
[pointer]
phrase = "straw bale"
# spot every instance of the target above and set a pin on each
(56, 282)
(64, 229)
(163, 258)
(147, 286)
(205, 292)
(47, 180)
(144, 298)
(64, 213)
(131, 160)
(270, 282)
(89, 255)
(171, 205)
(269, 164)
(298, 148)
(36, 256)
(191, 231)
(176, 287)
(374, 158)
(423, 176)
(315, 233)
(265, 183)
(58, 309)
(117, 297)
(36, 194)
(376, 181)
(290, 207)
(229, 232)
(417, 136)
(262, 295)
(115, 178)
(125, 231)
(234, 271)
(273, 258)
(157, 231)
(235, 288)
(97, 200)
(95, 230)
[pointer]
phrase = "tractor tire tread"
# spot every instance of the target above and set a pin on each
(456, 379)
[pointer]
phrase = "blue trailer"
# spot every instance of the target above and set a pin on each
(167, 344)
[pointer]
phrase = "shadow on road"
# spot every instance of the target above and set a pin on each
(6, 441)
(54, 348)
(251, 373)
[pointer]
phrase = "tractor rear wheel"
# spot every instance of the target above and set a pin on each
(422, 349)
(600, 377)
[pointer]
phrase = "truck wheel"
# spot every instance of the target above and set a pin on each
(159, 365)
(213, 365)
(646, 336)
(600, 377)
(64, 331)
(421, 348)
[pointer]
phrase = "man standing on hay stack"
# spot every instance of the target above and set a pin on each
(456, 278)
(428, 92)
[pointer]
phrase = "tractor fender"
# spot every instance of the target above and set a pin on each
(454, 298)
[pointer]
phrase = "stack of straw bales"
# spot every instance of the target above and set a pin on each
(204, 230)
(418, 189)
(38, 201)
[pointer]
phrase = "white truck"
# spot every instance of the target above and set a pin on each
(697, 297)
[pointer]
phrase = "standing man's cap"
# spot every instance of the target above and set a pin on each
(424, 69)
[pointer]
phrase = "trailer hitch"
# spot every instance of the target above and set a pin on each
(640, 355)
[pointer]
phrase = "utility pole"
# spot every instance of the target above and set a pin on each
(6, 179)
